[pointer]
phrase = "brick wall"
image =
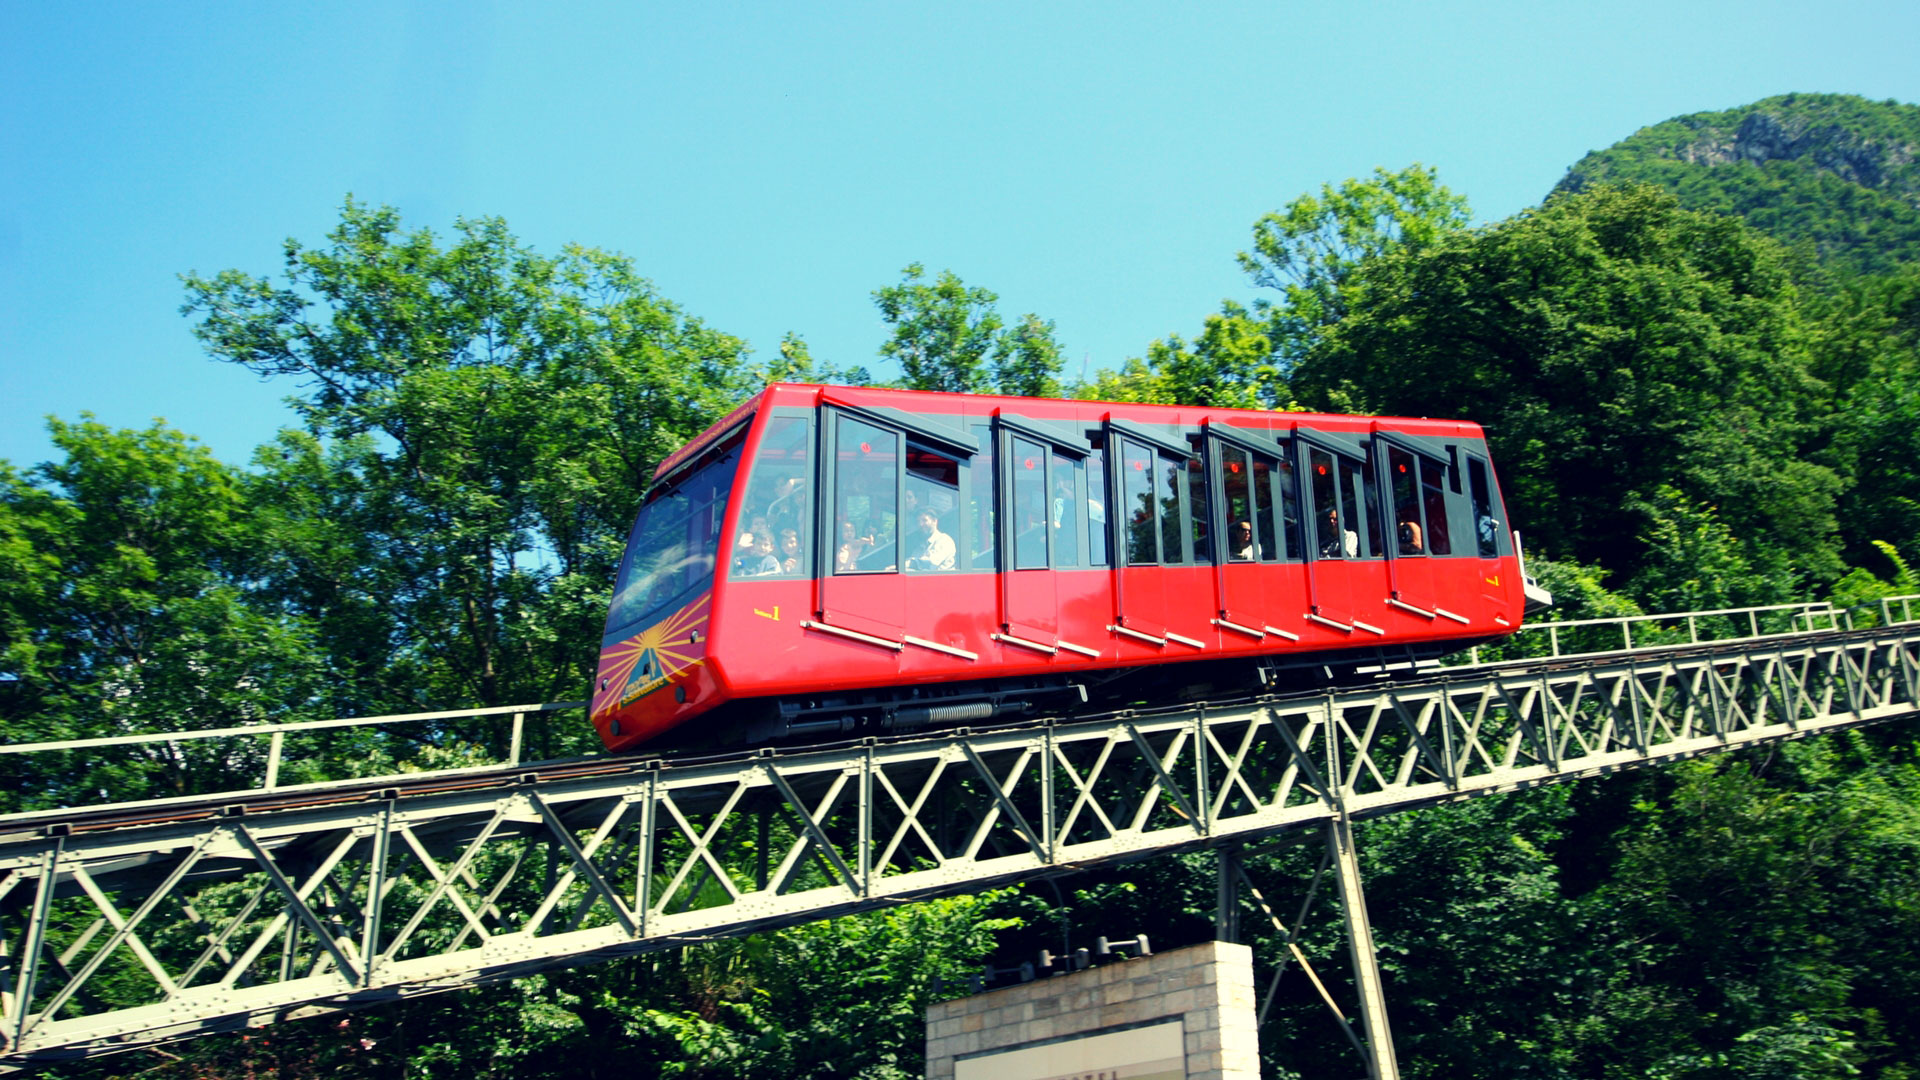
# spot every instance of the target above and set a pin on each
(1208, 988)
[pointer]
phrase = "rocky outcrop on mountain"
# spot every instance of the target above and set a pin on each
(1834, 171)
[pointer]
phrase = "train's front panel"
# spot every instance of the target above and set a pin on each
(655, 654)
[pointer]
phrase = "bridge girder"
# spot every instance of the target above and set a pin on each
(118, 935)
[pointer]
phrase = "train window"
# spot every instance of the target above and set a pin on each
(1251, 489)
(1409, 514)
(1065, 513)
(1344, 502)
(979, 525)
(1486, 523)
(1434, 496)
(776, 518)
(865, 512)
(1289, 546)
(1097, 504)
(1197, 517)
(1367, 491)
(675, 541)
(1143, 512)
(1029, 505)
(1171, 476)
(1240, 496)
(931, 505)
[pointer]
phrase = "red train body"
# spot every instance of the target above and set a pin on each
(831, 558)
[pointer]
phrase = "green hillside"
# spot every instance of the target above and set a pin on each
(1834, 170)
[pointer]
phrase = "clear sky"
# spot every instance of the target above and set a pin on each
(770, 165)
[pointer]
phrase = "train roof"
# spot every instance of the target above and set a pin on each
(985, 406)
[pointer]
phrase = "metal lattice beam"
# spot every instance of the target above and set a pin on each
(117, 935)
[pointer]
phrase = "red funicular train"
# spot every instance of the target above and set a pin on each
(829, 559)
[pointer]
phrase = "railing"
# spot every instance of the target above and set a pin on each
(1570, 638)
(471, 754)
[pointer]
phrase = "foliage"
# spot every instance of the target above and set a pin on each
(1833, 171)
(1228, 366)
(480, 422)
(127, 604)
(1307, 250)
(948, 336)
(1612, 343)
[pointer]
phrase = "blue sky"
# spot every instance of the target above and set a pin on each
(768, 166)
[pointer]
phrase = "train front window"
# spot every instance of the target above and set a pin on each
(671, 551)
(776, 517)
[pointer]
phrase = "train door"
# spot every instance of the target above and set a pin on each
(1339, 523)
(881, 474)
(1043, 525)
(1490, 538)
(1158, 531)
(1029, 605)
(1258, 518)
(1414, 480)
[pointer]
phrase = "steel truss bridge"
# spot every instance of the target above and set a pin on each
(134, 924)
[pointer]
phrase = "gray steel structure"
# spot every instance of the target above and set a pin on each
(133, 925)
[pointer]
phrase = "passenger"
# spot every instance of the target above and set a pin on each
(936, 549)
(1349, 541)
(852, 546)
(1242, 545)
(763, 562)
(784, 506)
(742, 554)
(789, 551)
(1410, 539)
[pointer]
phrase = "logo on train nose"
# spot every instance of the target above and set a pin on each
(650, 659)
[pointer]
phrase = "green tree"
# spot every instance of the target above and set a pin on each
(947, 335)
(517, 404)
(943, 332)
(130, 604)
(1307, 250)
(1227, 366)
(1612, 342)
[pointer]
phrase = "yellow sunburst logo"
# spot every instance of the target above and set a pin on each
(643, 663)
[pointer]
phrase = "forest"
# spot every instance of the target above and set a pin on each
(1698, 362)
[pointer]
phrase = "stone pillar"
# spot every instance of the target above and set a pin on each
(1181, 1015)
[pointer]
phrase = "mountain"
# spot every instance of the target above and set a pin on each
(1835, 171)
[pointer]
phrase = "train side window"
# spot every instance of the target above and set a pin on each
(1434, 497)
(1240, 498)
(1067, 513)
(1409, 514)
(979, 526)
(776, 518)
(1141, 509)
(932, 510)
(1357, 508)
(1370, 502)
(1029, 505)
(1331, 537)
(1286, 484)
(1168, 483)
(1097, 504)
(1198, 519)
(865, 511)
(1486, 523)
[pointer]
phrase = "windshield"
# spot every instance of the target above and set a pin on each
(671, 553)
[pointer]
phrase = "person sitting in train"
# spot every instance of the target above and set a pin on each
(789, 551)
(852, 546)
(1410, 539)
(743, 554)
(763, 562)
(936, 550)
(1242, 545)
